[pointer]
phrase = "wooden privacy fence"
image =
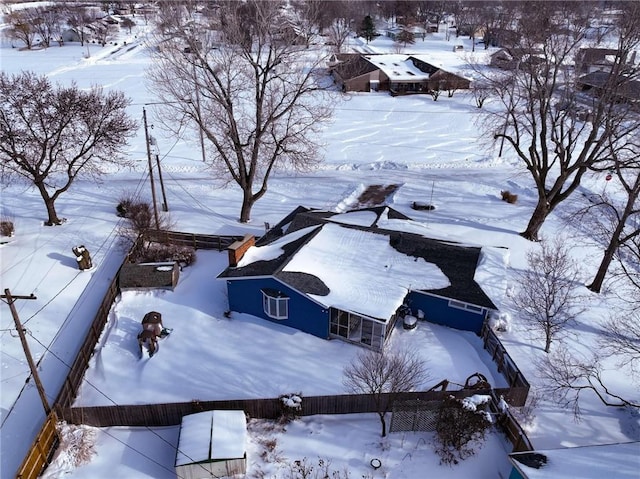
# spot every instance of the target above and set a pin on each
(170, 414)
(72, 383)
(41, 450)
(46, 441)
(76, 373)
(196, 241)
(518, 390)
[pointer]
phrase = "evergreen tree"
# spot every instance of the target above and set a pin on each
(367, 29)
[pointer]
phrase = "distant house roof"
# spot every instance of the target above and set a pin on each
(596, 55)
(621, 461)
(626, 88)
(346, 260)
(350, 65)
(397, 67)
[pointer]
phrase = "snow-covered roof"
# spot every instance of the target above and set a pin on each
(212, 436)
(397, 67)
(373, 282)
(621, 461)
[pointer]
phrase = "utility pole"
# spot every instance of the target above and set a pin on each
(165, 205)
(153, 186)
(10, 299)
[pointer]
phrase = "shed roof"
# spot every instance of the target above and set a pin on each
(609, 460)
(212, 436)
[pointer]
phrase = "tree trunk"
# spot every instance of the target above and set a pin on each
(247, 204)
(50, 205)
(383, 423)
(547, 343)
(614, 243)
(537, 219)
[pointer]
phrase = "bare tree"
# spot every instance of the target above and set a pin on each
(46, 22)
(249, 89)
(567, 376)
(80, 17)
(51, 135)
(104, 33)
(539, 117)
(384, 375)
(547, 298)
(480, 91)
(306, 19)
(617, 217)
(338, 32)
(21, 28)
(127, 23)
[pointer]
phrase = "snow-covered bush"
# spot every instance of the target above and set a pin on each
(461, 428)
(500, 321)
(291, 406)
(77, 447)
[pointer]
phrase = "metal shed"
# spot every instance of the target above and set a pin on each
(212, 444)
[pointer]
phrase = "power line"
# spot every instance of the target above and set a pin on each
(116, 404)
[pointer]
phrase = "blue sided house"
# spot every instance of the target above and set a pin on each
(351, 275)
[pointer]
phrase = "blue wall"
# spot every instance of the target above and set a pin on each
(245, 296)
(437, 310)
(515, 474)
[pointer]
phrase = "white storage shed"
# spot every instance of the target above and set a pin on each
(212, 444)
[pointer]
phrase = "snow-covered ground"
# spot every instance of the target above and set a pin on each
(432, 149)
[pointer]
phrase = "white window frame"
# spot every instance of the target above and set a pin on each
(276, 307)
(472, 308)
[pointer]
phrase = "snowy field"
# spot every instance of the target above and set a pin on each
(432, 149)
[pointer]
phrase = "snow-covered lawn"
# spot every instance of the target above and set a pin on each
(343, 442)
(432, 149)
(209, 357)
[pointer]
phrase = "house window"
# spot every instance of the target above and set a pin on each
(275, 304)
(358, 329)
(467, 307)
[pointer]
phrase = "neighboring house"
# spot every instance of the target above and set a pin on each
(502, 37)
(212, 444)
(398, 74)
(503, 59)
(516, 58)
(597, 83)
(71, 35)
(621, 461)
(439, 78)
(417, 31)
(474, 31)
(352, 72)
(351, 275)
(589, 60)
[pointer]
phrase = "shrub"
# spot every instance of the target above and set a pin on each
(460, 429)
(291, 406)
(156, 253)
